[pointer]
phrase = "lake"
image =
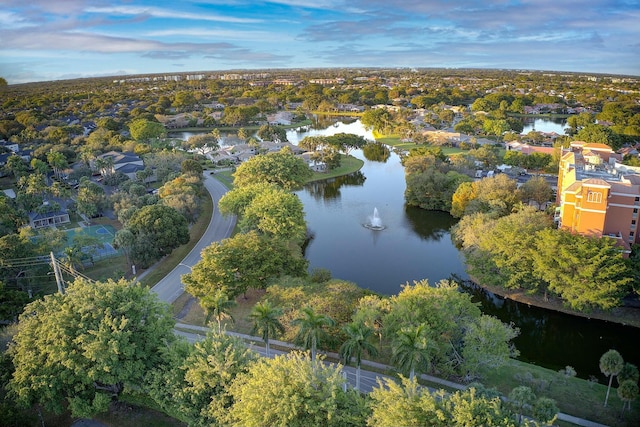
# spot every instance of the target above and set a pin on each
(416, 244)
(546, 124)
(413, 246)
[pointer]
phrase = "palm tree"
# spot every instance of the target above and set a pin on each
(358, 336)
(411, 349)
(73, 257)
(611, 363)
(218, 306)
(266, 321)
(627, 392)
(58, 162)
(109, 163)
(311, 330)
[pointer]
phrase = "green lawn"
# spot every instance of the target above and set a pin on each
(348, 164)
(574, 396)
(396, 142)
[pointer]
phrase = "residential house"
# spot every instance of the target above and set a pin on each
(527, 149)
(48, 219)
(128, 163)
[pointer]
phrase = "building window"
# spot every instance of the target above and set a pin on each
(594, 197)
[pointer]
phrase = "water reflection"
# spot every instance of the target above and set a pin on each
(416, 245)
(434, 226)
(321, 121)
(330, 188)
(376, 152)
(555, 340)
(547, 124)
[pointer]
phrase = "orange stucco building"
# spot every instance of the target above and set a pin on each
(596, 195)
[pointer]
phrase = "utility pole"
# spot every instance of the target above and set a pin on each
(58, 274)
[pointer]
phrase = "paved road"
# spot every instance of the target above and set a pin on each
(171, 287)
(368, 379)
(220, 227)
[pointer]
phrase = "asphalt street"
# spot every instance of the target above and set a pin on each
(220, 227)
(368, 379)
(171, 287)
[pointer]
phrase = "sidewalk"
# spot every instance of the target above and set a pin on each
(562, 417)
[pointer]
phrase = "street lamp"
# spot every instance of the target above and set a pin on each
(185, 265)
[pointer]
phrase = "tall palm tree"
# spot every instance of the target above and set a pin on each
(411, 350)
(58, 162)
(311, 330)
(266, 321)
(100, 165)
(109, 163)
(72, 257)
(627, 392)
(358, 342)
(611, 363)
(218, 306)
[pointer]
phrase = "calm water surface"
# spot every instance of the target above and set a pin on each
(413, 246)
(546, 124)
(416, 244)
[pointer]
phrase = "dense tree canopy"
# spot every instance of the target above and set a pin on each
(144, 130)
(602, 278)
(408, 404)
(158, 229)
(446, 317)
(497, 195)
(291, 390)
(499, 251)
(272, 133)
(91, 199)
(202, 143)
(241, 262)
(82, 347)
(282, 168)
(522, 251)
(599, 134)
(268, 209)
(194, 381)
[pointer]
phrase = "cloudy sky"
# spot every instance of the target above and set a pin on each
(64, 39)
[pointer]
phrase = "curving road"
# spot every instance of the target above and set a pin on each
(220, 227)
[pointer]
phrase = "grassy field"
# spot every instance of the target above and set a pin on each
(348, 164)
(574, 396)
(396, 142)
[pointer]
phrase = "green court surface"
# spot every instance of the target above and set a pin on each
(104, 233)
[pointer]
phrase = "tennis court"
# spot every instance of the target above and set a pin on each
(104, 234)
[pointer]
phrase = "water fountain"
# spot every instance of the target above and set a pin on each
(375, 223)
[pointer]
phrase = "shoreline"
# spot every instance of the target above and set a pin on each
(626, 316)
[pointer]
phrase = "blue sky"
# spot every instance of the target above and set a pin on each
(63, 39)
